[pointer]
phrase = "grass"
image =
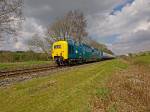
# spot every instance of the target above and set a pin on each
(27, 64)
(108, 86)
(128, 90)
(142, 60)
(21, 56)
(102, 92)
(66, 91)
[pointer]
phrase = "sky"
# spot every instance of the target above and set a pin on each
(122, 25)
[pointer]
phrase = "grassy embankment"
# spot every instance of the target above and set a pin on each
(22, 56)
(128, 90)
(19, 65)
(66, 91)
(22, 59)
(107, 86)
(142, 60)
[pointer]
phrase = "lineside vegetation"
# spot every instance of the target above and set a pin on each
(71, 90)
(108, 86)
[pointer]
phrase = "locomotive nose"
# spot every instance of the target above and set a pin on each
(60, 51)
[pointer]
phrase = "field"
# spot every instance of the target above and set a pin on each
(109, 86)
(142, 60)
(22, 56)
(129, 89)
(20, 65)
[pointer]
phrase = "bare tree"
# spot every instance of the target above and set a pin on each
(57, 30)
(39, 43)
(77, 24)
(73, 24)
(97, 45)
(10, 16)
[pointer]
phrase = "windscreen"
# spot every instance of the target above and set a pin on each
(57, 46)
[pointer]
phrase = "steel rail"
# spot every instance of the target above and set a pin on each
(8, 73)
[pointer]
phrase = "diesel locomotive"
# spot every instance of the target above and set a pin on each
(71, 52)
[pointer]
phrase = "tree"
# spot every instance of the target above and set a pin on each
(97, 45)
(10, 16)
(73, 24)
(78, 24)
(39, 43)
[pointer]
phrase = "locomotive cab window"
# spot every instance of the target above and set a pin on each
(57, 46)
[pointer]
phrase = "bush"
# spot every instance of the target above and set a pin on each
(19, 56)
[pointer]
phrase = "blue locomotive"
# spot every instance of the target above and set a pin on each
(70, 52)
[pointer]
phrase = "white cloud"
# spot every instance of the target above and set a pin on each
(29, 28)
(129, 24)
(144, 25)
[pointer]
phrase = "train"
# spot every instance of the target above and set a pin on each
(70, 52)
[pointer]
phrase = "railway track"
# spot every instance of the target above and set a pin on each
(9, 73)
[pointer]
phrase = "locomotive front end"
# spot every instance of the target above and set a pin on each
(60, 52)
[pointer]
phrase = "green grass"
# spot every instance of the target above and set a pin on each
(21, 56)
(142, 60)
(17, 65)
(66, 91)
(102, 92)
(126, 90)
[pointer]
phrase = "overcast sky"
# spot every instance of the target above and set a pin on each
(123, 25)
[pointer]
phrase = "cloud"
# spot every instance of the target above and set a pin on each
(135, 42)
(46, 11)
(120, 6)
(29, 28)
(131, 25)
(40, 13)
(126, 30)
